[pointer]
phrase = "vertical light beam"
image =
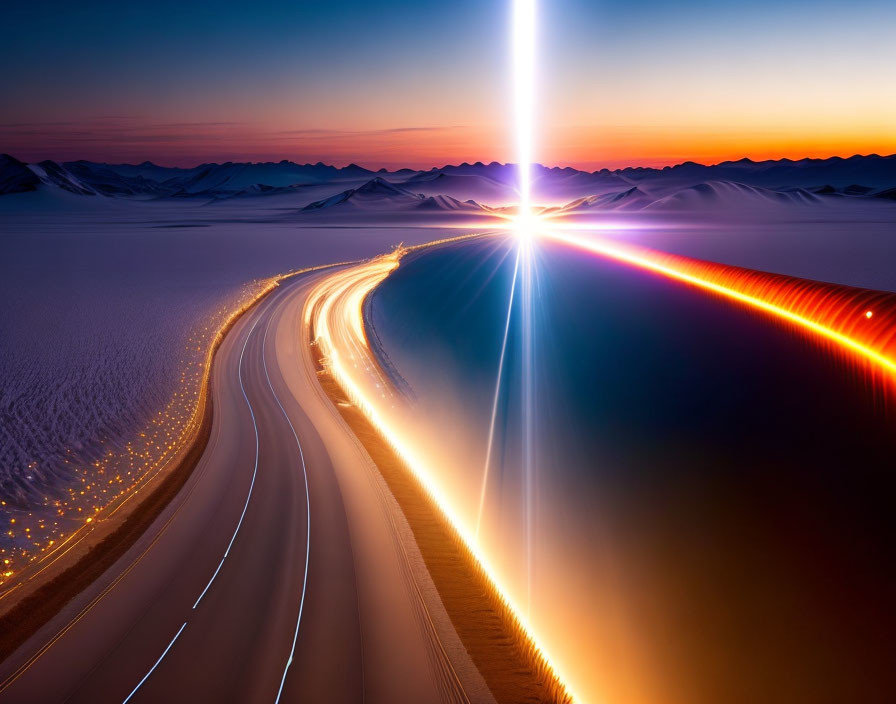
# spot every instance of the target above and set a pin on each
(524, 103)
(524, 117)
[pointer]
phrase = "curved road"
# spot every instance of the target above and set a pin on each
(283, 571)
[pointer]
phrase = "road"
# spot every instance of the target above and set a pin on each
(283, 571)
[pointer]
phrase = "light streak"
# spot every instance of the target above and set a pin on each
(491, 426)
(334, 309)
(524, 106)
(524, 227)
(838, 314)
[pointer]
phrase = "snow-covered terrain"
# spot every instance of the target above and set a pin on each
(379, 194)
(859, 177)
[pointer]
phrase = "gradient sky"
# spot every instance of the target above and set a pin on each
(412, 83)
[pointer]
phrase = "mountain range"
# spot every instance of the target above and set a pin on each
(318, 188)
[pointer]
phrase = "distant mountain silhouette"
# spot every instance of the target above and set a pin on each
(803, 181)
(729, 195)
(15, 176)
(378, 193)
(630, 199)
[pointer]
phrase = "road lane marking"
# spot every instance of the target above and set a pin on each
(307, 513)
(251, 487)
(246, 506)
(254, 470)
(87, 609)
(4, 684)
(164, 653)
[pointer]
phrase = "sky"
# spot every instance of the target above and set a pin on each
(424, 83)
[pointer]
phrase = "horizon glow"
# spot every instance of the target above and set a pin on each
(369, 84)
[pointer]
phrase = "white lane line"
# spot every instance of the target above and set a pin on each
(307, 513)
(254, 470)
(251, 486)
(146, 676)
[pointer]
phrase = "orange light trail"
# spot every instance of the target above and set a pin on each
(335, 312)
(859, 321)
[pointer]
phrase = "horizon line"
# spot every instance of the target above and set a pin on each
(395, 168)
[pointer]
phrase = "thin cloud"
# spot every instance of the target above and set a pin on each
(370, 133)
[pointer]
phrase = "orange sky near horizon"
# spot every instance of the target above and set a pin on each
(589, 147)
(402, 83)
(618, 147)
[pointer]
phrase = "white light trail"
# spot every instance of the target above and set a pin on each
(333, 310)
(524, 104)
(524, 114)
(496, 398)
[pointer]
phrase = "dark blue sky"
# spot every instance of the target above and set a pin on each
(426, 82)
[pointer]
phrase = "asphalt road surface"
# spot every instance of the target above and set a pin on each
(283, 570)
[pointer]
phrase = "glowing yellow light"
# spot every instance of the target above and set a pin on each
(700, 274)
(335, 308)
(868, 313)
